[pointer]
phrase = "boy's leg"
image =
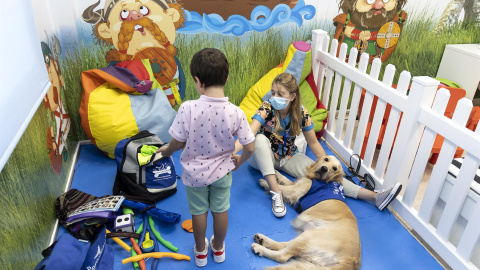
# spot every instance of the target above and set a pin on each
(199, 224)
(220, 226)
(198, 205)
(219, 205)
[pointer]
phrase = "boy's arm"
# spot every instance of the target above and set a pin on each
(172, 147)
(246, 154)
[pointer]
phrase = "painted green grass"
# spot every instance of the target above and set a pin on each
(29, 188)
(420, 50)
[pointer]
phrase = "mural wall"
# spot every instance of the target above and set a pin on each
(89, 34)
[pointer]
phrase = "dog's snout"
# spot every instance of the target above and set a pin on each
(324, 169)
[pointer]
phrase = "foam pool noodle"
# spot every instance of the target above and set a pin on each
(137, 249)
(139, 230)
(158, 213)
(159, 237)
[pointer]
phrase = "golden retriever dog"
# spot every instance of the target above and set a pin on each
(328, 230)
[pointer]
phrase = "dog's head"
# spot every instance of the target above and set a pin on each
(326, 168)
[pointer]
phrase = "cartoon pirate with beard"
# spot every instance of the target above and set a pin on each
(142, 29)
(371, 26)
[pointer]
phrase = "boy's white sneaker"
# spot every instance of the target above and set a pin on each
(201, 257)
(218, 255)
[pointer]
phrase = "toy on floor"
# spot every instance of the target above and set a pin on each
(187, 225)
(124, 223)
(120, 242)
(156, 255)
(147, 244)
(159, 237)
(137, 249)
(158, 213)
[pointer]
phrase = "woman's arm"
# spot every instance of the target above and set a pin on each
(313, 143)
(254, 126)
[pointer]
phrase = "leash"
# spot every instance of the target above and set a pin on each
(366, 179)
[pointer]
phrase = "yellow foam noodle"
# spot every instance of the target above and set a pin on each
(111, 118)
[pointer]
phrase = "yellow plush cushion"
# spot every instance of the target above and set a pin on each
(110, 117)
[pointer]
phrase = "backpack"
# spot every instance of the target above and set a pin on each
(73, 254)
(155, 180)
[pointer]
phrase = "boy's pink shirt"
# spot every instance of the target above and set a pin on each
(208, 126)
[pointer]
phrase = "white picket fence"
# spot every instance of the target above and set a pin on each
(448, 219)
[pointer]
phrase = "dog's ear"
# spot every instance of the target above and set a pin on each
(338, 177)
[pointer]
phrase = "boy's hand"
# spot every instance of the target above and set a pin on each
(163, 151)
(236, 159)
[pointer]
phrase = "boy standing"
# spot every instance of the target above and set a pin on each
(205, 130)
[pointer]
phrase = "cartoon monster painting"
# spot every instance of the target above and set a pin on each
(59, 126)
(371, 26)
(142, 29)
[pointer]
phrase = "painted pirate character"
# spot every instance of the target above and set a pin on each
(59, 126)
(371, 26)
(142, 29)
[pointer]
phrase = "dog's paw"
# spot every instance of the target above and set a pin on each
(258, 238)
(257, 249)
(263, 183)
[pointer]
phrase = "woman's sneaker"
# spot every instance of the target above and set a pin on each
(218, 255)
(386, 196)
(201, 257)
(278, 208)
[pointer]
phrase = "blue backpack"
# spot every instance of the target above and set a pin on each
(155, 180)
(74, 254)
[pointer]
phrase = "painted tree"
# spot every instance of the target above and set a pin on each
(452, 12)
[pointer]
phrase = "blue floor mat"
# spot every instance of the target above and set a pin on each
(386, 244)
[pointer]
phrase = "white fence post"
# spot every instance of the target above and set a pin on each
(410, 131)
(318, 38)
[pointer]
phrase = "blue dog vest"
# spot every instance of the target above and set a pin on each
(320, 191)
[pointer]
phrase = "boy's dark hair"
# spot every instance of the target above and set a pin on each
(210, 66)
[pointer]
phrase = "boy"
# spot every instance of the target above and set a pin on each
(205, 130)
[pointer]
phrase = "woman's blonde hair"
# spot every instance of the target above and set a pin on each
(288, 81)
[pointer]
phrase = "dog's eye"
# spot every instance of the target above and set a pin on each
(334, 169)
(326, 159)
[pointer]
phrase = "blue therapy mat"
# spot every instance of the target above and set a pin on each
(386, 244)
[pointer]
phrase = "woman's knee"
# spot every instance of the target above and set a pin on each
(261, 142)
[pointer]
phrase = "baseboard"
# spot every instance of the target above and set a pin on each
(71, 172)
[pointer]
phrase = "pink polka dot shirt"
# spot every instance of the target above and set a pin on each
(208, 127)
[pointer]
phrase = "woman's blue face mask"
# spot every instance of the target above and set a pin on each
(279, 103)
